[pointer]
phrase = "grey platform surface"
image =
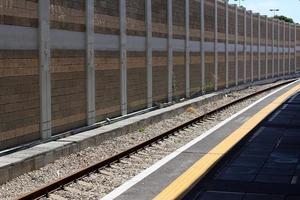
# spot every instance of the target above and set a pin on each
(266, 166)
(151, 185)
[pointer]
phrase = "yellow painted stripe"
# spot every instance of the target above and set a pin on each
(199, 169)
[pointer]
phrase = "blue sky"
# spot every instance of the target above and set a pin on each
(289, 8)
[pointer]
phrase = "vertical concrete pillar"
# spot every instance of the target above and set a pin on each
(273, 54)
(216, 44)
(252, 61)
(202, 50)
(258, 52)
(266, 46)
(226, 46)
(149, 52)
(123, 56)
(170, 51)
(187, 48)
(90, 58)
(245, 45)
(44, 66)
(236, 47)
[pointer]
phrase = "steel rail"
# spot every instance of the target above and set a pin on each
(60, 183)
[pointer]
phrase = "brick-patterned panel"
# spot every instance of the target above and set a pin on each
(281, 45)
(107, 83)
(160, 58)
(160, 76)
(270, 64)
(178, 75)
(68, 90)
(136, 61)
(241, 40)
(263, 44)
(68, 15)
(231, 70)
(221, 71)
(248, 25)
(209, 72)
(287, 46)
(221, 39)
(255, 66)
(209, 18)
(136, 81)
(255, 29)
(241, 67)
(248, 40)
(178, 19)
(135, 17)
(292, 67)
(263, 65)
(107, 17)
(255, 43)
(293, 47)
(19, 98)
(241, 26)
(278, 44)
(263, 30)
(269, 42)
(231, 23)
(195, 58)
(221, 22)
(248, 67)
(160, 18)
(195, 73)
(195, 17)
(19, 13)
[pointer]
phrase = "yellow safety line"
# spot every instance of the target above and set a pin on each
(199, 169)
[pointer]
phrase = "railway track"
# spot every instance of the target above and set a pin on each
(62, 184)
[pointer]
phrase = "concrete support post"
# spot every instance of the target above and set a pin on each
(289, 57)
(278, 47)
(149, 52)
(266, 47)
(170, 52)
(295, 48)
(187, 49)
(245, 45)
(90, 58)
(273, 46)
(258, 52)
(202, 50)
(226, 46)
(283, 60)
(44, 63)
(216, 44)
(236, 47)
(123, 56)
(252, 55)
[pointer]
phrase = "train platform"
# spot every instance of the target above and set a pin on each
(254, 154)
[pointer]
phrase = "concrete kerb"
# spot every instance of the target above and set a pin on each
(18, 163)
